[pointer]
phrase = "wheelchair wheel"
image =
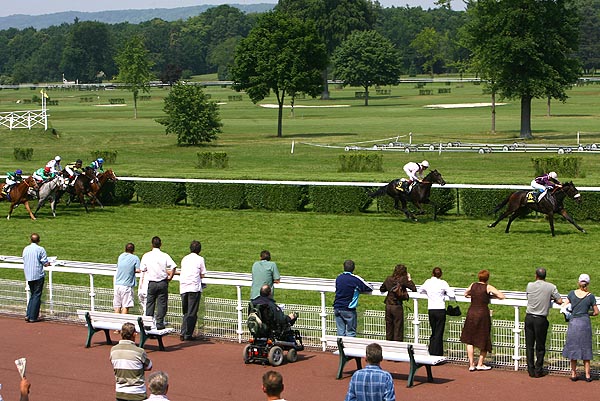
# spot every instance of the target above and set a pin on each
(275, 356)
(292, 355)
(247, 353)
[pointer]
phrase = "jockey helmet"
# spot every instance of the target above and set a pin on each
(425, 163)
(553, 175)
(46, 169)
(18, 171)
(100, 160)
(57, 158)
(78, 161)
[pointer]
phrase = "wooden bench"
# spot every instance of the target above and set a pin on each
(108, 321)
(417, 355)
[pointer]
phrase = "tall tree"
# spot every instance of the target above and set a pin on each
(135, 68)
(528, 45)
(365, 59)
(282, 54)
(430, 46)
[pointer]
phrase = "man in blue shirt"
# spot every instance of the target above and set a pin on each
(371, 383)
(34, 260)
(347, 289)
(127, 265)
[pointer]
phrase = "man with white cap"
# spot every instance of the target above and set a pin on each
(414, 171)
(540, 294)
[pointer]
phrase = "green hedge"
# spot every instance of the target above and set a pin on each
(117, 193)
(217, 196)
(109, 156)
(360, 162)
(443, 198)
(287, 198)
(565, 166)
(588, 209)
(23, 153)
(339, 199)
(481, 202)
(160, 193)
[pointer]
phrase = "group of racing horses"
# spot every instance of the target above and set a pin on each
(85, 186)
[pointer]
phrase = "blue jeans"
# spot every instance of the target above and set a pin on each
(345, 321)
(35, 301)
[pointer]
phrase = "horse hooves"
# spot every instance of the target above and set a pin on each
(491, 225)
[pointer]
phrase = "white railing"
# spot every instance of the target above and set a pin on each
(226, 317)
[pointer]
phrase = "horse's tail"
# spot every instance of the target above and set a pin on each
(501, 204)
(380, 192)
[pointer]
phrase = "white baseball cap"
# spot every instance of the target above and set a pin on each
(584, 278)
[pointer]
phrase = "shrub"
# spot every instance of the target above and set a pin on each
(287, 198)
(217, 196)
(586, 210)
(443, 198)
(360, 162)
(160, 193)
(212, 160)
(109, 156)
(564, 165)
(481, 202)
(23, 153)
(117, 193)
(339, 199)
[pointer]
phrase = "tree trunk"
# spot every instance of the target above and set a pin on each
(526, 117)
(135, 105)
(280, 114)
(493, 112)
(548, 113)
(325, 93)
(366, 95)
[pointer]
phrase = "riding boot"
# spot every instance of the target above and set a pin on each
(405, 185)
(539, 199)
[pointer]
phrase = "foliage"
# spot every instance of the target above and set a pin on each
(23, 153)
(282, 54)
(587, 209)
(135, 68)
(190, 115)
(443, 198)
(360, 162)
(217, 196)
(430, 46)
(287, 198)
(565, 166)
(481, 202)
(160, 193)
(366, 58)
(339, 199)
(109, 156)
(213, 160)
(526, 47)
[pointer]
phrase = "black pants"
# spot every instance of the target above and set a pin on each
(437, 321)
(536, 330)
(190, 301)
(158, 295)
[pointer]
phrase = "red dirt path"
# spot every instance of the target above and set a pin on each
(61, 368)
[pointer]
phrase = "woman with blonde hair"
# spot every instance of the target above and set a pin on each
(579, 333)
(477, 330)
(394, 311)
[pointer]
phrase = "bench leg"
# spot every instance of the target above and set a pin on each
(343, 361)
(143, 339)
(91, 332)
(161, 346)
(107, 334)
(429, 374)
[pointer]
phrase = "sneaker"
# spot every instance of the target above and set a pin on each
(483, 367)
(471, 368)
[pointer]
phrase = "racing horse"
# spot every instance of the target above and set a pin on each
(98, 183)
(418, 195)
(47, 191)
(19, 194)
(519, 205)
(82, 187)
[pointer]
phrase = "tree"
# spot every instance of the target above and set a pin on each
(429, 45)
(135, 68)
(283, 54)
(366, 58)
(527, 46)
(190, 115)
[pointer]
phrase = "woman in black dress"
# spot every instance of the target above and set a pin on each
(477, 329)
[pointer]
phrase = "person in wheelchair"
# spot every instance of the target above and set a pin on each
(269, 318)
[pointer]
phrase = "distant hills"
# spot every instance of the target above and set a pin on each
(21, 21)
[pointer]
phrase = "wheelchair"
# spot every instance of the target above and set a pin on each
(271, 338)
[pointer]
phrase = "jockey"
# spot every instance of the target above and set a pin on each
(96, 165)
(414, 171)
(54, 165)
(12, 178)
(72, 170)
(43, 174)
(545, 182)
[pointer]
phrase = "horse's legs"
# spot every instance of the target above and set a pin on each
(39, 206)
(511, 219)
(26, 203)
(566, 215)
(502, 217)
(53, 206)
(407, 212)
(82, 201)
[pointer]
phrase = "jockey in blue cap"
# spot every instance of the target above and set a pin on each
(12, 178)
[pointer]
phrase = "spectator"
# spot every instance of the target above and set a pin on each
(264, 272)
(578, 345)
(34, 261)
(477, 329)
(192, 272)
(24, 389)
(158, 269)
(371, 383)
(436, 289)
(129, 362)
(127, 265)
(347, 289)
(143, 290)
(394, 311)
(540, 295)
(281, 319)
(158, 384)
(272, 385)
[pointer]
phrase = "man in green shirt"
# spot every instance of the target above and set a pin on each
(264, 272)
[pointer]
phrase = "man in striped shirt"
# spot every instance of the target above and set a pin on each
(34, 260)
(129, 362)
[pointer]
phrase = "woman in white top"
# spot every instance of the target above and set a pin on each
(436, 289)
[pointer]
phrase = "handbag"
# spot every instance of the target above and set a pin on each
(453, 310)
(400, 292)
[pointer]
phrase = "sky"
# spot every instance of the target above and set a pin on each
(38, 7)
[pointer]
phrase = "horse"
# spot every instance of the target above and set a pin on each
(19, 194)
(82, 187)
(98, 183)
(418, 195)
(47, 191)
(519, 205)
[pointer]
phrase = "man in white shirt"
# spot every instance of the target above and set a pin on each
(191, 274)
(158, 268)
(436, 289)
